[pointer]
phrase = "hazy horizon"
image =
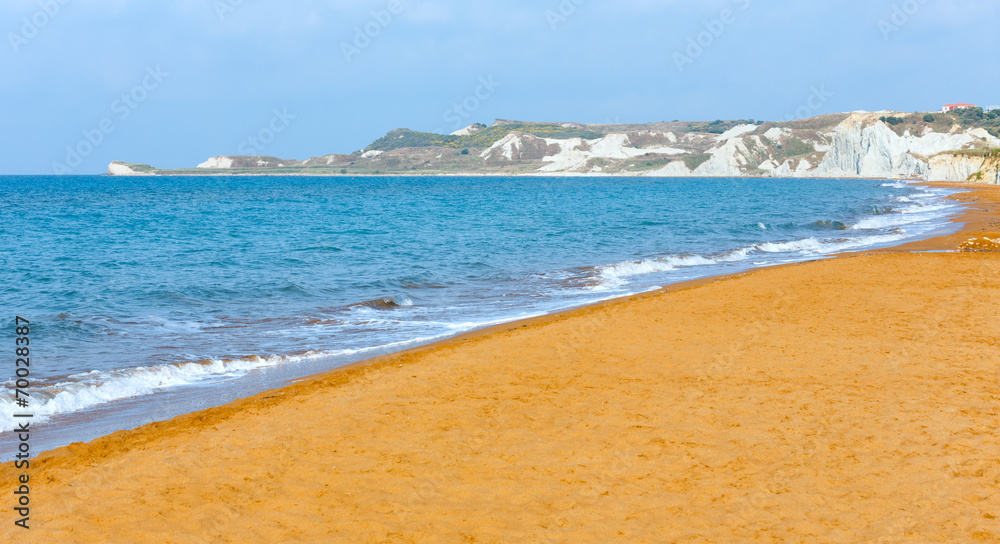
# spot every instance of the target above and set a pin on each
(171, 85)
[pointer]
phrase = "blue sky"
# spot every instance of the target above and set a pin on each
(173, 83)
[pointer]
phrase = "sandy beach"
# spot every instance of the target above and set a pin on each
(854, 399)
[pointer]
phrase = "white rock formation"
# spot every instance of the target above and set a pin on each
(217, 162)
(952, 167)
(735, 132)
(862, 150)
(471, 129)
(118, 168)
(508, 147)
(575, 153)
(727, 160)
(777, 134)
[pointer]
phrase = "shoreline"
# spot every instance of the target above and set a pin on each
(495, 175)
(976, 221)
(60, 464)
(918, 245)
(101, 416)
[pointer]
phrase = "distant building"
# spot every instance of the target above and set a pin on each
(991, 108)
(953, 107)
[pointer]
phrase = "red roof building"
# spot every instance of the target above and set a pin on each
(953, 107)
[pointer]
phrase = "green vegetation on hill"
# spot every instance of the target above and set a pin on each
(989, 153)
(720, 126)
(492, 135)
(137, 167)
(404, 137)
(792, 147)
(696, 160)
(943, 122)
(486, 137)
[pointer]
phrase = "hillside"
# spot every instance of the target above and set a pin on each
(936, 146)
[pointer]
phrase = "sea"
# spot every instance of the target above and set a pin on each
(151, 297)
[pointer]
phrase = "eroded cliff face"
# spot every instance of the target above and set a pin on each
(233, 161)
(963, 167)
(118, 168)
(838, 145)
(862, 150)
(860, 146)
(951, 167)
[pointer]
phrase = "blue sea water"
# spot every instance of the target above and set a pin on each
(152, 296)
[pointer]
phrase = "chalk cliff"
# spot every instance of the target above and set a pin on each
(119, 168)
(939, 147)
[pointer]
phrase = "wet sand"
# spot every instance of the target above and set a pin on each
(849, 400)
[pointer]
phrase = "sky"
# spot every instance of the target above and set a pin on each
(86, 82)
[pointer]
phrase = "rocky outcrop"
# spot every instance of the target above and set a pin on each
(965, 167)
(860, 144)
(471, 129)
(329, 160)
(518, 147)
(951, 167)
(230, 161)
(119, 168)
(874, 151)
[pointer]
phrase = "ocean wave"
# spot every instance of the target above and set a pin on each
(91, 389)
(86, 390)
(616, 275)
(834, 225)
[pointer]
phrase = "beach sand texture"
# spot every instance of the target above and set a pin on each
(849, 400)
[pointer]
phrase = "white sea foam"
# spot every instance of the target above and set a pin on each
(90, 389)
(613, 276)
(923, 211)
(920, 217)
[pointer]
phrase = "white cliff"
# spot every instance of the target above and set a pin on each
(217, 162)
(119, 168)
(858, 144)
(961, 167)
(727, 159)
(862, 150)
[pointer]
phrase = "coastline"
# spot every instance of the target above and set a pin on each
(98, 468)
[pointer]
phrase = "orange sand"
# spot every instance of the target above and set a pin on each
(849, 400)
